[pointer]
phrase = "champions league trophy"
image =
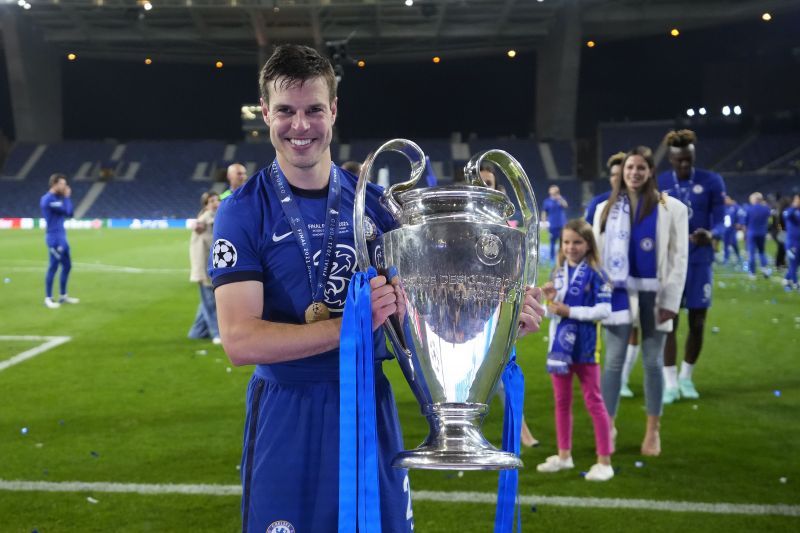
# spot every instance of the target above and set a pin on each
(463, 271)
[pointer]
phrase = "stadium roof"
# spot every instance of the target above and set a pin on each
(243, 31)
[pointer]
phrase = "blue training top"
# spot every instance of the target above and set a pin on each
(55, 209)
(555, 213)
(757, 219)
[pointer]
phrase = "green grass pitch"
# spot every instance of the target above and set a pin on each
(131, 400)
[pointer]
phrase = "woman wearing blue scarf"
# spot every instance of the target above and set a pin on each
(642, 236)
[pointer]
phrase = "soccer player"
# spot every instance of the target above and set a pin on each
(614, 166)
(791, 219)
(729, 240)
(281, 263)
(236, 176)
(56, 206)
(703, 193)
(756, 222)
(553, 212)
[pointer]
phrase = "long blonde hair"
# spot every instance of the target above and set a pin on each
(584, 230)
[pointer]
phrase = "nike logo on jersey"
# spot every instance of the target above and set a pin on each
(285, 200)
(278, 238)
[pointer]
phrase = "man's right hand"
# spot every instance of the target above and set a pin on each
(384, 301)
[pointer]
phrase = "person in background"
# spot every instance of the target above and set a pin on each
(729, 240)
(703, 194)
(756, 222)
(236, 176)
(614, 166)
(56, 206)
(553, 213)
(643, 239)
(791, 220)
(353, 167)
(578, 298)
(777, 229)
(205, 320)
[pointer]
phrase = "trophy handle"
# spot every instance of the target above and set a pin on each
(526, 198)
(416, 157)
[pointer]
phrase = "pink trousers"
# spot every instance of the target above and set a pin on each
(589, 377)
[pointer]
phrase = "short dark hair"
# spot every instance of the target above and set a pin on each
(55, 178)
(294, 64)
(615, 159)
(680, 138)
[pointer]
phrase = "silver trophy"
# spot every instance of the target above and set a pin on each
(463, 270)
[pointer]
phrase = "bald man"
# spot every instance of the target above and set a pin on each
(236, 176)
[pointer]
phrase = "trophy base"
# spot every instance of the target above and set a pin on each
(455, 442)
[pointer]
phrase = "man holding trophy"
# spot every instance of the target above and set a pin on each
(284, 252)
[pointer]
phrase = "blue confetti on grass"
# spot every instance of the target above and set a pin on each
(777, 393)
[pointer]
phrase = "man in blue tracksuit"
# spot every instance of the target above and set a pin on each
(56, 207)
(756, 222)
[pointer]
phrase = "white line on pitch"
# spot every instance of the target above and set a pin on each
(52, 342)
(102, 269)
(422, 495)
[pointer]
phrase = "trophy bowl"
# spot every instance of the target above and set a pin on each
(463, 271)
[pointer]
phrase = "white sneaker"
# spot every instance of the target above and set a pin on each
(68, 299)
(600, 472)
(52, 304)
(554, 463)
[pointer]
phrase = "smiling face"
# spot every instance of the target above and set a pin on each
(300, 117)
(635, 173)
(574, 246)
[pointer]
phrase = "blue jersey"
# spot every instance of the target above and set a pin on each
(732, 216)
(55, 209)
(251, 222)
(555, 213)
(791, 217)
(704, 195)
(757, 219)
(593, 203)
(597, 291)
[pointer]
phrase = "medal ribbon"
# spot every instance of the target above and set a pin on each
(318, 278)
(508, 484)
(359, 488)
(684, 194)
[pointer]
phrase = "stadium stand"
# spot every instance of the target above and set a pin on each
(165, 178)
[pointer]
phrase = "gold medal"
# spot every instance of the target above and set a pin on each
(317, 311)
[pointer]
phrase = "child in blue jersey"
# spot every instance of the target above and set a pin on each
(56, 207)
(791, 220)
(281, 263)
(579, 296)
(703, 193)
(756, 222)
(553, 213)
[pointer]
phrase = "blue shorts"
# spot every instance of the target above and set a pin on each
(290, 460)
(699, 282)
